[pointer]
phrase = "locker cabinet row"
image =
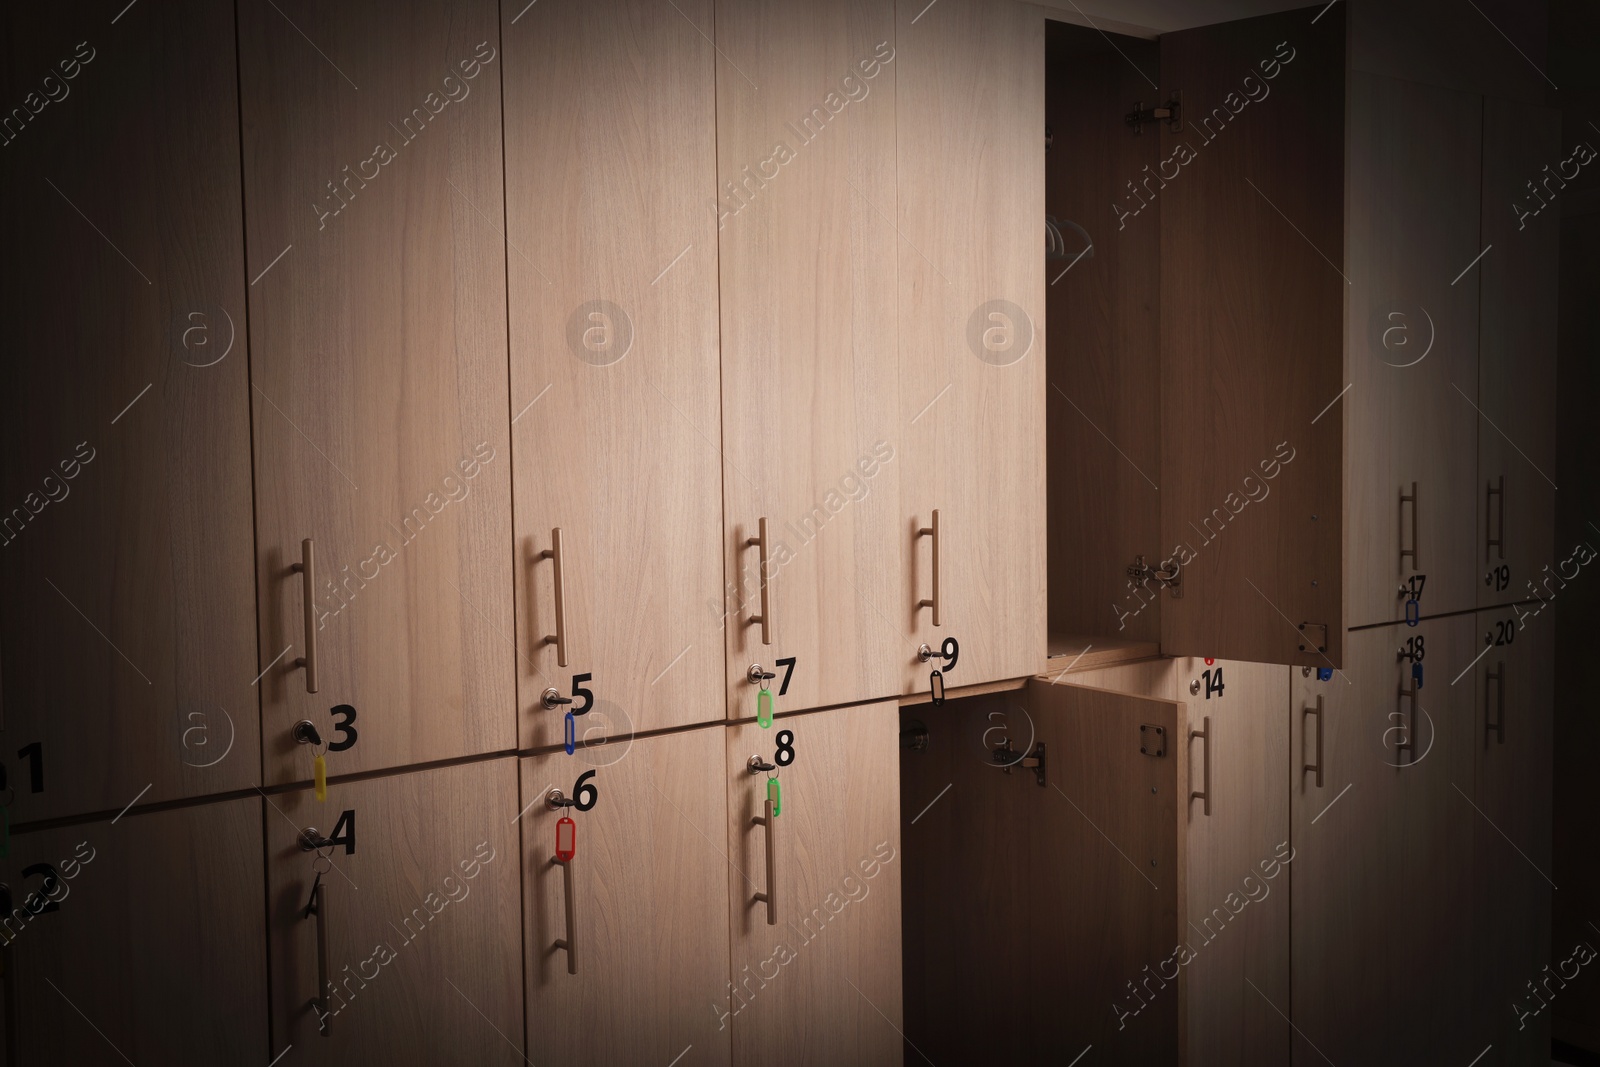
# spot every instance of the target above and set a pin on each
(654, 900)
(1216, 862)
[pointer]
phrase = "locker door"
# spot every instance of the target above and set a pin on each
(1382, 841)
(1512, 736)
(1517, 354)
(413, 949)
(1252, 207)
(1411, 411)
(125, 525)
(1033, 908)
(649, 870)
(815, 967)
(971, 307)
(1236, 848)
(812, 441)
(137, 940)
(610, 163)
(373, 177)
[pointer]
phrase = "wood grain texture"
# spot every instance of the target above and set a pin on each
(1238, 891)
(1073, 653)
(125, 522)
(610, 119)
(424, 920)
(652, 906)
(1381, 869)
(155, 910)
(1036, 909)
(810, 393)
(1413, 208)
(1513, 846)
(1517, 317)
(823, 986)
(378, 365)
(972, 415)
(1251, 297)
(1103, 432)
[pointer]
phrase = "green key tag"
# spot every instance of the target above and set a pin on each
(764, 707)
(775, 794)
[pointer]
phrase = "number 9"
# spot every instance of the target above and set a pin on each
(951, 651)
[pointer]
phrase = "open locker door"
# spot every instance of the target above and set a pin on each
(1058, 841)
(1251, 187)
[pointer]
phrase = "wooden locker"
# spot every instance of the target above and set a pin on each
(611, 165)
(815, 966)
(1237, 845)
(1412, 409)
(1252, 286)
(812, 441)
(1517, 353)
(373, 193)
(417, 925)
(137, 940)
(647, 976)
(126, 529)
(971, 304)
(1381, 884)
(1512, 735)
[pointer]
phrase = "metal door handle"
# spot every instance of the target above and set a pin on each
(569, 943)
(769, 820)
(318, 908)
(1498, 727)
(765, 618)
(1410, 743)
(933, 533)
(306, 568)
(1205, 735)
(559, 638)
(1498, 543)
(1317, 766)
(1416, 542)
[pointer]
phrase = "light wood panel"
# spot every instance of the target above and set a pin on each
(125, 524)
(1381, 854)
(1512, 850)
(378, 365)
(810, 393)
(153, 912)
(1236, 863)
(1104, 360)
(610, 122)
(972, 399)
(651, 905)
(823, 985)
(423, 920)
(1413, 333)
(1029, 909)
(1252, 290)
(1517, 352)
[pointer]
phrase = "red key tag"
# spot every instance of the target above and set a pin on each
(566, 839)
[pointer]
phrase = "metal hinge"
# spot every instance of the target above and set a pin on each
(1152, 740)
(1171, 113)
(1169, 574)
(1005, 757)
(1313, 636)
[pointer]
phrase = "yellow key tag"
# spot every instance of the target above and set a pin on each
(319, 774)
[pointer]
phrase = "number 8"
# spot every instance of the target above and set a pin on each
(785, 754)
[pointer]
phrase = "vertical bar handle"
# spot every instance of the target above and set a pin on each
(1498, 542)
(933, 533)
(559, 638)
(1410, 743)
(765, 618)
(769, 820)
(1498, 727)
(1205, 735)
(1317, 766)
(1415, 536)
(319, 908)
(568, 943)
(307, 569)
